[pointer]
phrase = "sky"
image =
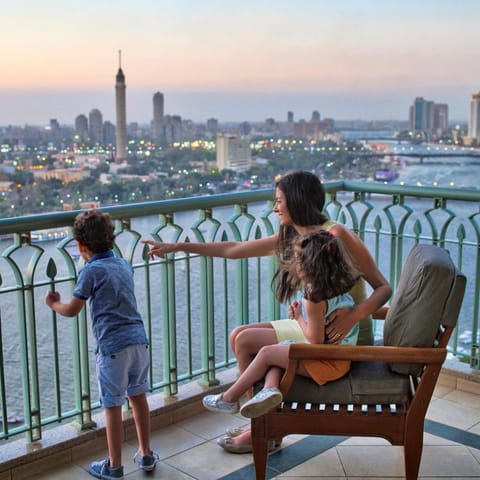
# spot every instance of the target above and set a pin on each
(237, 60)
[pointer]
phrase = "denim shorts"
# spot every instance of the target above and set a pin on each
(122, 374)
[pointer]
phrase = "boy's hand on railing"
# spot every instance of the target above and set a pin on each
(51, 298)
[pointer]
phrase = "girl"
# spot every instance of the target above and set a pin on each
(323, 270)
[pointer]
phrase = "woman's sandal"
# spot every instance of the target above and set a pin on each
(227, 444)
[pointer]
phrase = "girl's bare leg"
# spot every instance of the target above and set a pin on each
(269, 356)
(247, 340)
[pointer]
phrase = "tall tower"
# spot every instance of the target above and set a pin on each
(157, 123)
(121, 107)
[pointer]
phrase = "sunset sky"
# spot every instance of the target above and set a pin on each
(237, 61)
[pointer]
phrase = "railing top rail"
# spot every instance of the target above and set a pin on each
(59, 219)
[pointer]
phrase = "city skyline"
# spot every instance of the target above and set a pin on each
(351, 60)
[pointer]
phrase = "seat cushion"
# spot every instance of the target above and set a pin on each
(366, 382)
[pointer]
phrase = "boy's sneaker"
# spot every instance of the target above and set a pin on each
(102, 469)
(146, 462)
(262, 402)
(216, 403)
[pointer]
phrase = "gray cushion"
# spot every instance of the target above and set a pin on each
(422, 301)
(366, 382)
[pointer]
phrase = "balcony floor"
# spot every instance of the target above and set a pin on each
(188, 449)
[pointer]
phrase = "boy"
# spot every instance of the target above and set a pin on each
(122, 359)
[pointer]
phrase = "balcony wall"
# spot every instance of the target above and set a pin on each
(190, 303)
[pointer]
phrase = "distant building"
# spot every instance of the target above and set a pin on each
(313, 130)
(428, 117)
(212, 127)
(233, 153)
(95, 126)
(315, 116)
(290, 117)
(121, 111)
(81, 127)
(158, 114)
(474, 122)
(109, 133)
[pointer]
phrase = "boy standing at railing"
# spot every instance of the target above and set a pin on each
(122, 359)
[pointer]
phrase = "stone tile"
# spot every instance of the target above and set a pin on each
(162, 471)
(448, 461)
(210, 425)
(468, 386)
(365, 441)
(429, 439)
(475, 452)
(440, 391)
(447, 380)
(173, 440)
(327, 464)
(372, 461)
(475, 429)
(465, 398)
(453, 414)
(207, 461)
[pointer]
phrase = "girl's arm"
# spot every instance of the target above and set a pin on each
(314, 328)
(249, 248)
(70, 309)
(341, 321)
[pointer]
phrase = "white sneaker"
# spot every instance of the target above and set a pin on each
(215, 403)
(262, 402)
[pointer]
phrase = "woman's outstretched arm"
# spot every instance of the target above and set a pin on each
(249, 248)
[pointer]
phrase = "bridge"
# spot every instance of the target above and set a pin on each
(471, 157)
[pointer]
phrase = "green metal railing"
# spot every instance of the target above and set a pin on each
(190, 303)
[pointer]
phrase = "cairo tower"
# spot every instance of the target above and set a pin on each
(121, 108)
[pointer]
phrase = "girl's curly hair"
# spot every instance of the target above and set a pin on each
(327, 268)
(95, 230)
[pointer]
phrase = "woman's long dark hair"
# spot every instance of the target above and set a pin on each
(305, 199)
(327, 268)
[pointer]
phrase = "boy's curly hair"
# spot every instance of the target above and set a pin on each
(95, 230)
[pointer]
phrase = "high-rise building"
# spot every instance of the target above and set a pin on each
(440, 118)
(315, 116)
(121, 109)
(158, 113)
(95, 126)
(474, 123)
(233, 153)
(81, 127)
(212, 127)
(428, 117)
(290, 117)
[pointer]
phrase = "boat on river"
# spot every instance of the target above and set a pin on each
(386, 175)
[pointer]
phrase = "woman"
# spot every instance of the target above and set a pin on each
(324, 272)
(299, 203)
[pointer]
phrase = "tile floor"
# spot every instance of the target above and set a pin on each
(188, 449)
